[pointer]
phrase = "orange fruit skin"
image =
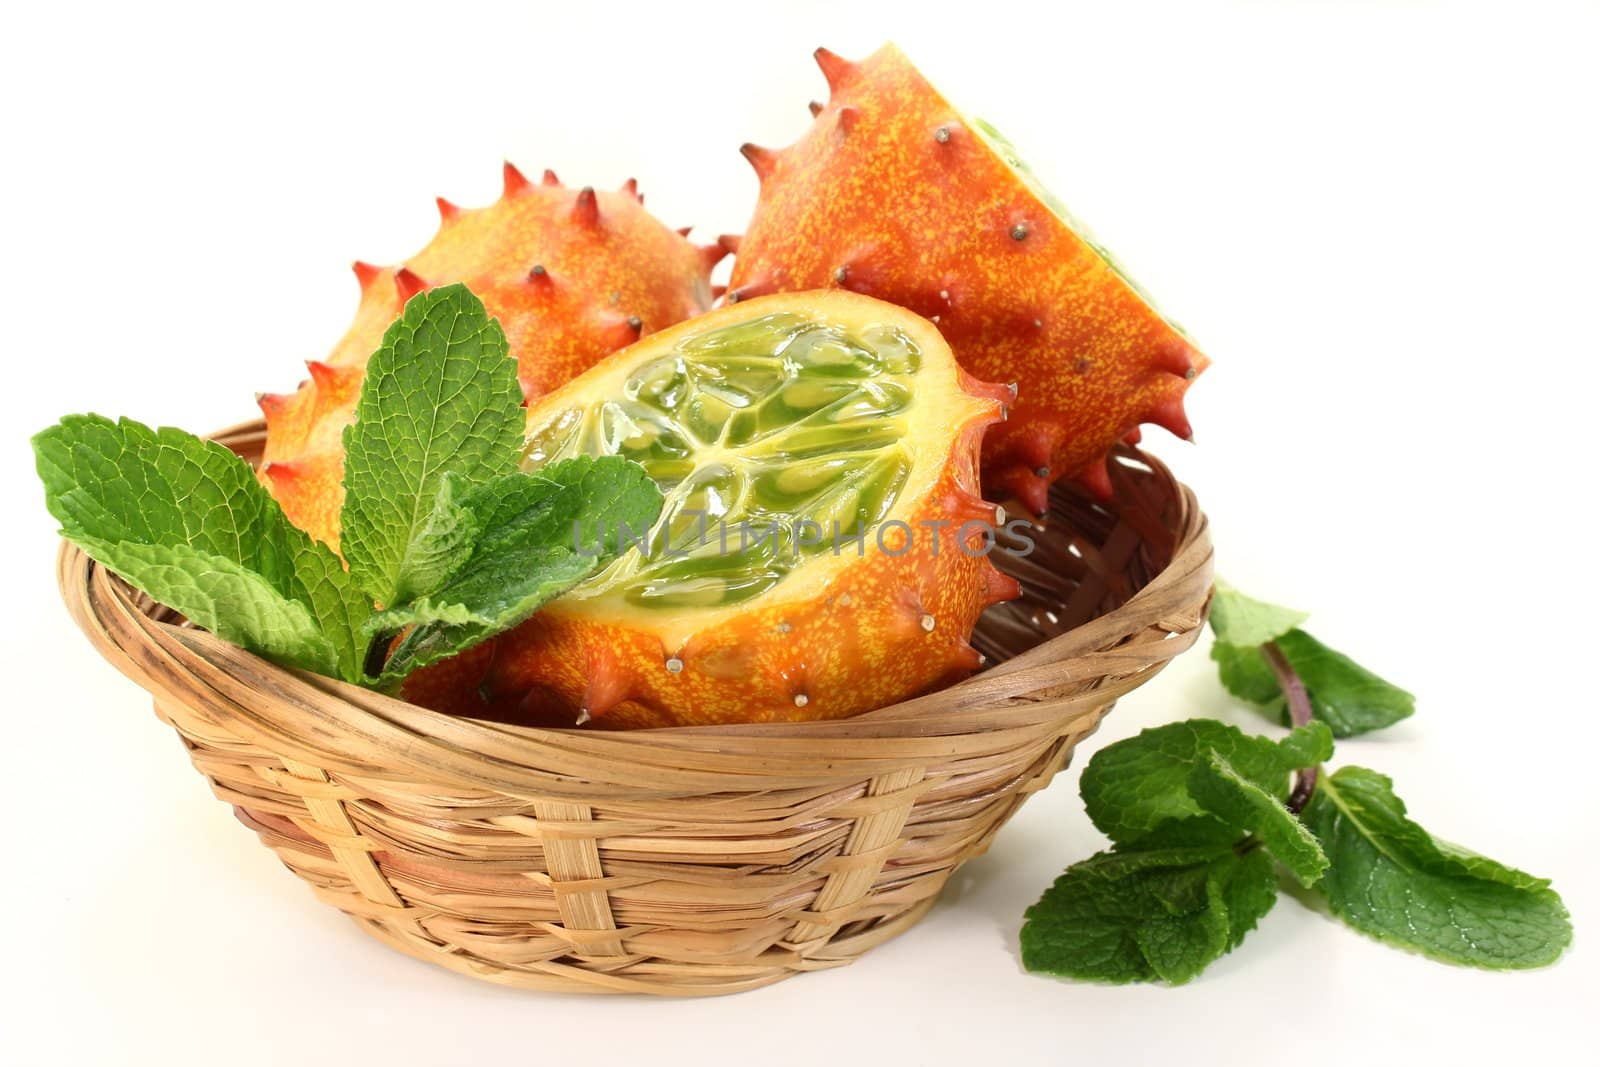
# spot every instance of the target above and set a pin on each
(893, 194)
(571, 274)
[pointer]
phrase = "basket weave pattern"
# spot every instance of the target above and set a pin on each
(697, 860)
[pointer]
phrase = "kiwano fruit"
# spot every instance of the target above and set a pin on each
(894, 194)
(572, 275)
(822, 549)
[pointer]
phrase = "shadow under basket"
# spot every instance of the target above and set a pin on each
(682, 861)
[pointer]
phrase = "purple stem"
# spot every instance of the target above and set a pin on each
(1294, 693)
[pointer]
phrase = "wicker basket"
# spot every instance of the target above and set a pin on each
(696, 860)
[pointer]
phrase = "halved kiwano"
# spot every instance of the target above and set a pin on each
(895, 194)
(822, 549)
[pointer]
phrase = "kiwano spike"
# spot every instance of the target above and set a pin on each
(966, 507)
(730, 241)
(281, 472)
(407, 284)
(834, 68)
(1031, 489)
(1169, 415)
(550, 177)
(447, 210)
(752, 287)
(683, 231)
(713, 254)
(964, 659)
(585, 209)
(848, 116)
(366, 274)
(514, 180)
(540, 279)
(631, 187)
(271, 404)
(762, 159)
(620, 331)
(1175, 357)
(608, 685)
(1096, 477)
(816, 108)
(1133, 436)
(1000, 587)
(326, 378)
(1004, 393)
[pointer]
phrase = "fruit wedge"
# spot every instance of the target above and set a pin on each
(894, 193)
(822, 550)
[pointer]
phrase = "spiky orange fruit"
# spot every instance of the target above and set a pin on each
(895, 194)
(823, 548)
(572, 275)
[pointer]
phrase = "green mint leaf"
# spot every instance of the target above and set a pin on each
(537, 535)
(1307, 746)
(1245, 673)
(1221, 790)
(444, 542)
(440, 397)
(1138, 788)
(1139, 916)
(186, 521)
(1249, 889)
(225, 597)
(1178, 947)
(1393, 880)
(1241, 620)
(1345, 695)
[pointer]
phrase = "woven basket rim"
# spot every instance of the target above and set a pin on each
(329, 722)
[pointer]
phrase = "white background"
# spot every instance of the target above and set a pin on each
(1379, 219)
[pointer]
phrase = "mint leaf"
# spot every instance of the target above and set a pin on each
(186, 521)
(440, 397)
(1241, 620)
(1345, 695)
(1249, 890)
(1245, 673)
(225, 597)
(1221, 790)
(1390, 878)
(1138, 916)
(535, 537)
(1139, 787)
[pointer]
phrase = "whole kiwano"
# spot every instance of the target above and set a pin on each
(823, 549)
(572, 275)
(893, 193)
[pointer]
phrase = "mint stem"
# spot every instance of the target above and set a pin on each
(1294, 693)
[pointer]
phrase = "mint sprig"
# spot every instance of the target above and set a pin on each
(440, 527)
(1349, 698)
(186, 521)
(1198, 811)
(1139, 788)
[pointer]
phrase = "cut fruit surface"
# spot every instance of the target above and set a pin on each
(822, 549)
(571, 274)
(895, 194)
